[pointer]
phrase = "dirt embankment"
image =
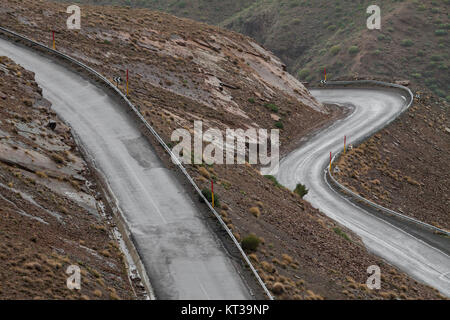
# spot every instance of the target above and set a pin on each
(405, 166)
(184, 71)
(49, 215)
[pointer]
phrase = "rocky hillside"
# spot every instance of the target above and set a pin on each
(50, 216)
(183, 71)
(208, 11)
(308, 36)
(179, 70)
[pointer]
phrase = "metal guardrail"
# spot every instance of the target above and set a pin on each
(158, 138)
(365, 137)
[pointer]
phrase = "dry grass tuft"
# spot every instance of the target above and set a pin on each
(255, 211)
(278, 288)
(204, 172)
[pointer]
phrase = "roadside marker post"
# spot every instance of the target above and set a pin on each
(325, 71)
(330, 161)
(117, 80)
(212, 193)
(54, 44)
(345, 142)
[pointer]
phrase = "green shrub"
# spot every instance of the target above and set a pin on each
(251, 100)
(335, 49)
(435, 57)
(341, 233)
(250, 242)
(274, 180)
(440, 32)
(407, 43)
(273, 107)
(439, 92)
(208, 195)
(435, 10)
(301, 190)
(353, 50)
(279, 125)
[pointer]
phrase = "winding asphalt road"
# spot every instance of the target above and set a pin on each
(371, 109)
(182, 256)
(184, 260)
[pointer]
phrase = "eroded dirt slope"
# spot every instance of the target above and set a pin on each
(49, 216)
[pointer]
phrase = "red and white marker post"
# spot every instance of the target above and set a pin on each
(345, 143)
(212, 193)
(330, 161)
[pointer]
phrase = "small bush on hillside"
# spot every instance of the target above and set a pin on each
(272, 107)
(279, 125)
(341, 233)
(301, 190)
(273, 179)
(353, 50)
(335, 49)
(208, 195)
(407, 43)
(435, 10)
(250, 243)
(251, 100)
(255, 211)
(440, 32)
(435, 57)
